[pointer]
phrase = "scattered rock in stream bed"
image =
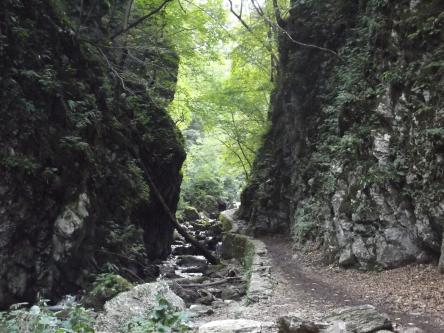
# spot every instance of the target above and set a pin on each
(189, 260)
(197, 310)
(190, 214)
(182, 249)
(207, 231)
(133, 303)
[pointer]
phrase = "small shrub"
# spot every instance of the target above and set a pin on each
(105, 287)
(164, 318)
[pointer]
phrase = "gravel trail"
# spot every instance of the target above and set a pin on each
(412, 295)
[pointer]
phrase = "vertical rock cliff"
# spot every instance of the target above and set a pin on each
(354, 159)
(73, 197)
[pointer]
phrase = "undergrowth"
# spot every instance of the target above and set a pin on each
(163, 318)
(40, 319)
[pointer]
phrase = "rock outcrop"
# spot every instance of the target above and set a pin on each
(354, 157)
(73, 195)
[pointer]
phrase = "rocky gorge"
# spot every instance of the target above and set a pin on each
(352, 161)
(104, 228)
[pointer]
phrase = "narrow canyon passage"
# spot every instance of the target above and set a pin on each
(153, 153)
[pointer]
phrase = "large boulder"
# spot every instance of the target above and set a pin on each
(211, 205)
(134, 303)
(190, 214)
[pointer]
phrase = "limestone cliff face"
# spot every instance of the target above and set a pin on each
(354, 159)
(73, 197)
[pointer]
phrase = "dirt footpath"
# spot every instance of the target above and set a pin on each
(412, 295)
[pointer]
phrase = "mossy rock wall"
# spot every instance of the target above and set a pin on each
(354, 158)
(73, 196)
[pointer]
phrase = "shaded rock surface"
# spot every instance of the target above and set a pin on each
(73, 195)
(353, 158)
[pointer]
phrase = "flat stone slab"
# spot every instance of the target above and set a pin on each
(236, 326)
(350, 319)
(360, 319)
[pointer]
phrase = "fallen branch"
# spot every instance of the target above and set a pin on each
(278, 26)
(190, 239)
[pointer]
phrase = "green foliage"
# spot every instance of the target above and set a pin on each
(105, 287)
(307, 220)
(26, 164)
(39, 319)
(140, 186)
(207, 173)
(430, 27)
(164, 318)
(74, 143)
(436, 133)
(224, 85)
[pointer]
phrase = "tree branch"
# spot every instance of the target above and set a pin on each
(141, 19)
(246, 26)
(181, 230)
(285, 32)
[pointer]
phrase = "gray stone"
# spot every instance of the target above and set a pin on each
(360, 319)
(197, 310)
(68, 228)
(346, 257)
(135, 302)
(227, 219)
(381, 148)
(236, 326)
(291, 324)
(362, 252)
(411, 330)
(231, 292)
(297, 325)
(210, 205)
(190, 214)
(396, 247)
(192, 261)
(336, 327)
